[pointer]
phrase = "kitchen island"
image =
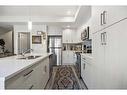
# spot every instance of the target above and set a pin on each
(16, 73)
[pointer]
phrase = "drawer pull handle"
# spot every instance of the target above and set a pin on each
(28, 73)
(84, 58)
(45, 69)
(31, 86)
(101, 18)
(84, 66)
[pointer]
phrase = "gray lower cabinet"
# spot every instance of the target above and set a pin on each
(34, 77)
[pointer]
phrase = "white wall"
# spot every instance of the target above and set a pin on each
(54, 30)
(84, 23)
(38, 48)
(7, 36)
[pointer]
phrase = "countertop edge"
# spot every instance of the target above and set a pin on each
(15, 73)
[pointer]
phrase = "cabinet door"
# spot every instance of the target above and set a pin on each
(112, 75)
(122, 36)
(97, 18)
(65, 57)
(115, 13)
(68, 57)
(64, 37)
(69, 36)
(17, 82)
(21, 80)
(112, 14)
(46, 71)
(82, 68)
(115, 62)
(87, 73)
(38, 75)
(98, 61)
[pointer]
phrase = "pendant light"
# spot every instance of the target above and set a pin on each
(29, 21)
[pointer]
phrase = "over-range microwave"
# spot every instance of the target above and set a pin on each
(85, 34)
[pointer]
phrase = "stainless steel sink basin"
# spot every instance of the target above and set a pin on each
(29, 57)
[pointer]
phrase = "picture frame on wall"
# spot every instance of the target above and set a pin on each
(36, 40)
(85, 34)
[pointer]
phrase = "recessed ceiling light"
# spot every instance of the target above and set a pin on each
(68, 26)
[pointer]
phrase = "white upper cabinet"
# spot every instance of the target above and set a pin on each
(115, 14)
(97, 18)
(107, 15)
(69, 36)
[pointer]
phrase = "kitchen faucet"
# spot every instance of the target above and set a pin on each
(23, 53)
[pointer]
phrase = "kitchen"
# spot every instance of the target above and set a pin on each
(64, 47)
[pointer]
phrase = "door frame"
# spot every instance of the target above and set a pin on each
(19, 41)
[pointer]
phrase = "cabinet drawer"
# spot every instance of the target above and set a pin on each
(20, 81)
(34, 77)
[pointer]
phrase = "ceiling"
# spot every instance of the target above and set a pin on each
(50, 15)
(44, 11)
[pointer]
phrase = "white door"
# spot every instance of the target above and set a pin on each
(23, 41)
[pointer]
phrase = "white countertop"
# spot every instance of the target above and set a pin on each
(10, 66)
(87, 55)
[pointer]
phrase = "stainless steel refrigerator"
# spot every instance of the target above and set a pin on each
(55, 47)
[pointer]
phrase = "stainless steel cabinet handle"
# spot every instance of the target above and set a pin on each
(101, 16)
(104, 17)
(102, 38)
(105, 38)
(31, 86)
(84, 66)
(45, 69)
(28, 73)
